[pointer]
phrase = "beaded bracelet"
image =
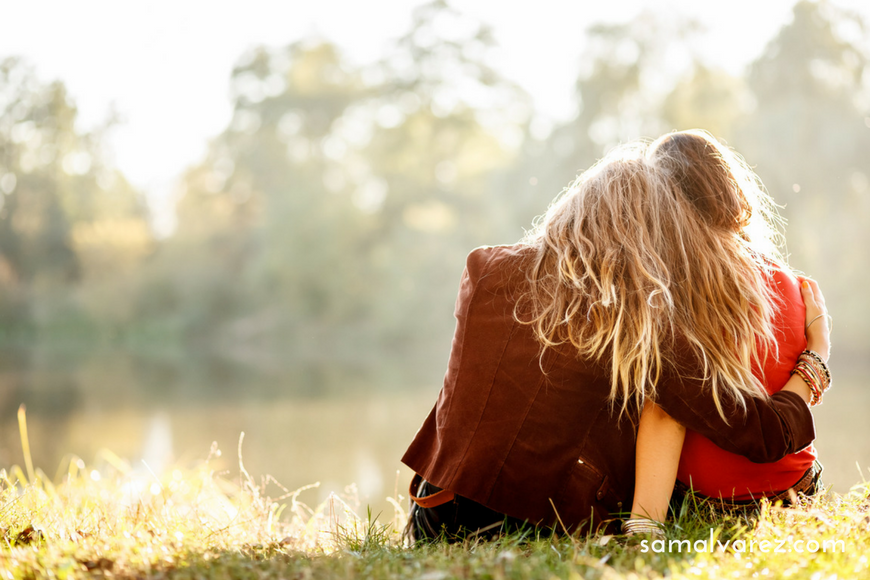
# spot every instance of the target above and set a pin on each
(812, 377)
(823, 380)
(818, 365)
(821, 363)
(813, 381)
(811, 368)
(636, 526)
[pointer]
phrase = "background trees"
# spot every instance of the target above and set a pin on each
(66, 215)
(330, 218)
(809, 134)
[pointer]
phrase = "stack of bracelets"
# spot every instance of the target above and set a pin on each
(635, 526)
(814, 372)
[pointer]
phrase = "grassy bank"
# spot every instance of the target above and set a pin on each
(114, 520)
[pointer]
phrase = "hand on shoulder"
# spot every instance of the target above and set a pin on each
(817, 321)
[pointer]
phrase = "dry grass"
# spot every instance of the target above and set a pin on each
(113, 520)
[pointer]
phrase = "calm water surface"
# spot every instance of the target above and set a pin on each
(322, 423)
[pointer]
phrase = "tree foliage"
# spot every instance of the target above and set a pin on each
(65, 213)
(331, 217)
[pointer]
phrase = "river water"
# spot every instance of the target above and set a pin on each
(324, 424)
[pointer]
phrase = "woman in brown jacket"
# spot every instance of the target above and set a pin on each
(559, 339)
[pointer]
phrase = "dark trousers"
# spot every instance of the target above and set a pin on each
(458, 519)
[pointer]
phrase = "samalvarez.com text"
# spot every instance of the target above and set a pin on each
(779, 546)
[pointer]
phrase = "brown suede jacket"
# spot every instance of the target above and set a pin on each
(523, 433)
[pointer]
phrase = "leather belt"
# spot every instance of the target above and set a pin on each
(440, 497)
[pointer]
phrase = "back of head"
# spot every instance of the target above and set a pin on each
(721, 188)
(604, 268)
(655, 241)
(699, 167)
(726, 313)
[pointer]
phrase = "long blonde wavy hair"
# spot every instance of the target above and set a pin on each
(659, 241)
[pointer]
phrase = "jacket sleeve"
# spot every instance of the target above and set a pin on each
(767, 430)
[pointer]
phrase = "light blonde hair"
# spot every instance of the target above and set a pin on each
(659, 242)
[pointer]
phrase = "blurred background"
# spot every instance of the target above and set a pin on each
(254, 217)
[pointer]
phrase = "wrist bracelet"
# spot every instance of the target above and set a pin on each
(811, 368)
(822, 364)
(826, 315)
(637, 526)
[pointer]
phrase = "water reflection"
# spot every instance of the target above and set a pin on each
(306, 424)
(157, 445)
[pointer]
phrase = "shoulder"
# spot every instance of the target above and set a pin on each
(488, 259)
(784, 284)
(779, 275)
(495, 270)
(782, 276)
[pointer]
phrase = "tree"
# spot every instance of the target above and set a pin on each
(446, 126)
(66, 215)
(343, 200)
(809, 137)
(622, 94)
(269, 206)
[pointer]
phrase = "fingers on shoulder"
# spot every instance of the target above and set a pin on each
(810, 289)
(817, 292)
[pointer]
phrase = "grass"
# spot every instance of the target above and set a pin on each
(115, 521)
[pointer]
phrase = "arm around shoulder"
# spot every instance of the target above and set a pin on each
(766, 430)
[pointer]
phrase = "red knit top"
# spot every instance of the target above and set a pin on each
(715, 472)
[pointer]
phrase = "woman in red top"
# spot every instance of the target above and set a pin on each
(714, 472)
(700, 165)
